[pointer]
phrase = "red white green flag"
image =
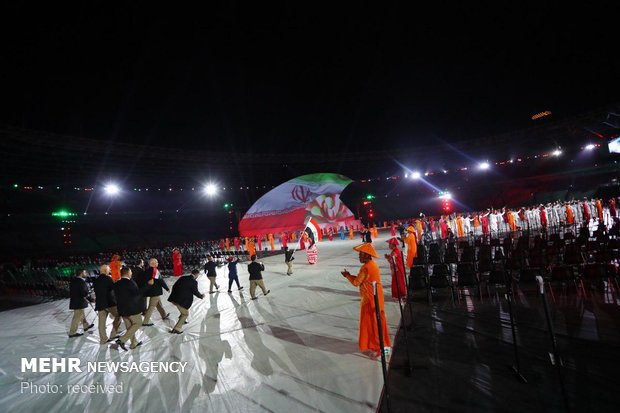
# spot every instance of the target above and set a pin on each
(285, 207)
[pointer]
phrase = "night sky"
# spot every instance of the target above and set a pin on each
(302, 77)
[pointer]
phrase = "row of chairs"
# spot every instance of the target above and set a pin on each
(443, 267)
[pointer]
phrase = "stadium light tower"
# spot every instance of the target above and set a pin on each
(590, 147)
(210, 189)
(484, 166)
(112, 189)
(416, 175)
(556, 153)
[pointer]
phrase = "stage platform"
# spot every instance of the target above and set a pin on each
(293, 350)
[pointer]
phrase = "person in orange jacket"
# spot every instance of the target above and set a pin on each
(369, 272)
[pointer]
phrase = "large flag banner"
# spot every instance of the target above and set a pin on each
(285, 207)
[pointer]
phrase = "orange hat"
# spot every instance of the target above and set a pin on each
(366, 248)
(393, 241)
(410, 229)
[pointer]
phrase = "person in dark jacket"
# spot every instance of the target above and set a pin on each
(130, 306)
(139, 276)
(105, 304)
(288, 259)
(256, 278)
(78, 301)
(211, 271)
(232, 273)
(154, 292)
(182, 296)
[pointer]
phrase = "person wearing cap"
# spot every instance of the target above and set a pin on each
(232, 273)
(412, 245)
(395, 258)
(369, 273)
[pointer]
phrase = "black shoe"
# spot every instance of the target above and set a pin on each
(139, 344)
(268, 291)
(121, 344)
(230, 291)
(147, 324)
(254, 298)
(240, 288)
(89, 327)
(186, 322)
(75, 335)
(173, 331)
(166, 317)
(211, 292)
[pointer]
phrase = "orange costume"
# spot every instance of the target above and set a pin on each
(599, 209)
(369, 333)
(271, 241)
(251, 248)
(511, 221)
(351, 233)
(570, 218)
(460, 231)
(115, 266)
(227, 244)
(247, 246)
(419, 228)
(412, 246)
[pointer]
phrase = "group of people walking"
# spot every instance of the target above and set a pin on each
(136, 294)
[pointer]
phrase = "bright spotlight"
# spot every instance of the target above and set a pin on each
(416, 175)
(484, 166)
(557, 152)
(445, 195)
(210, 189)
(590, 147)
(112, 189)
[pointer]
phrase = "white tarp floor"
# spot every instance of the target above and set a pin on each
(293, 350)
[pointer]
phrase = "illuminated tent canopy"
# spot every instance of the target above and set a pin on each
(286, 207)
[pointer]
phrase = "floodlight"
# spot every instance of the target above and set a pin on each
(415, 175)
(484, 166)
(210, 189)
(112, 189)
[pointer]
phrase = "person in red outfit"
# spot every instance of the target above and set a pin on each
(177, 265)
(395, 258)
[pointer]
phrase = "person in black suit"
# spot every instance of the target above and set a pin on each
(130, 306)
(256, 278)
(154, 292)
(78, 301)
(182, 296)
(211, 271)
(139, 276)
(105, 304)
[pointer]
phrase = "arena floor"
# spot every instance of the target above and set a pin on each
(293, 350)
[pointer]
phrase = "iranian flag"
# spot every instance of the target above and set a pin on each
(286, 207)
